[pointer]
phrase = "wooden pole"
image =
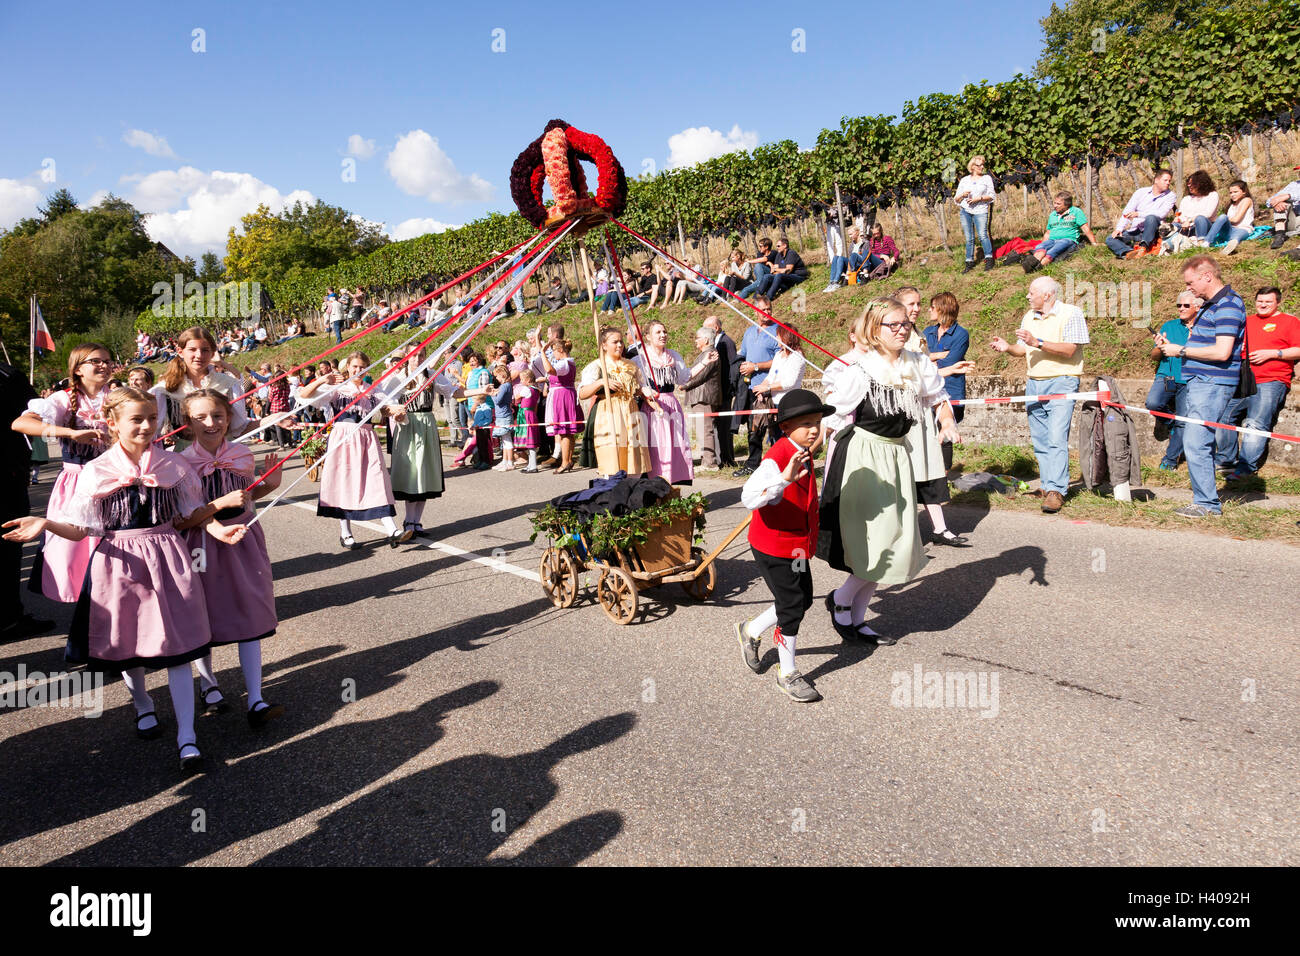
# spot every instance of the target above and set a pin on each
(595, 321)
(844, 229)
(735, 533)
(681, 236)
(1088, 187)
(31, 342)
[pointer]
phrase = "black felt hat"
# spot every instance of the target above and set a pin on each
(800, 401)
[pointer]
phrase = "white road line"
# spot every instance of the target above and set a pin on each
(496, 564)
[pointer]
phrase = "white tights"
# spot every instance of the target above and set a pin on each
(414, 511)
(180, 682)
(857, 594)
(345, 526)
(250, 663)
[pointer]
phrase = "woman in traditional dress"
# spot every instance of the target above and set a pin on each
(669, 441)
(188, 372)
(563, 416)
(415, 447)
(868, 520)
(617, 428)
(354, 480)
(75, 416)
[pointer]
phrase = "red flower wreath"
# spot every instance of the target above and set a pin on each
(529, 174)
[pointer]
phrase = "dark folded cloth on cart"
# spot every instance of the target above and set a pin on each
(617, 495)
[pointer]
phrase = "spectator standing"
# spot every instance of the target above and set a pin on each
(703, 397)
(1051, 336)
(727, 362)
(1137, 230)
(334, 311)
(1168, 391)
(1235, 224)
(1212, 369)
(1065, 227)
(788, 271)
(758, 346)
(1285, 204)
(1272, 346)
(974, 195)
(947, 342)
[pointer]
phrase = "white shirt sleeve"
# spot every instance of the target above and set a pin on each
(764, 487)
(932, 389)
(847, 390)
(683, 372)
(793, 366)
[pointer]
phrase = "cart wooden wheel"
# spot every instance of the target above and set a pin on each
(700, 588)
(616, 591)
(559, 574)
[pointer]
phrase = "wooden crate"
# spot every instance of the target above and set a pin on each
(668, 546)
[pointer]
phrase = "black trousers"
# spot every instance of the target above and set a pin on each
(761, 428)
(14, 503)
(792, 590)
(726, 444)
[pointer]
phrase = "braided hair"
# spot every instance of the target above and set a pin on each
(75, 358)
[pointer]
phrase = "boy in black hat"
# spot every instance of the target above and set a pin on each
(782, 494)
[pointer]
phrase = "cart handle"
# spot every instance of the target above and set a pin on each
(735, 533)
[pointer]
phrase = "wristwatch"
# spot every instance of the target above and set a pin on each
(1040, 343)
(1182, 352)
(1279, 353)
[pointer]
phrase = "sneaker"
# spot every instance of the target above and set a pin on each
(1029, 264)
(970, 264)
(748, 647)
(1279, 240)
(796, 686)
(1165, 466)
(832, 287)
(743, 472)
(989, 264)
(1053, 501)
(1230, 247)
(1239, 474)
(1195, 511)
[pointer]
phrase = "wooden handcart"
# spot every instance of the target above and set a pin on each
(666, 557)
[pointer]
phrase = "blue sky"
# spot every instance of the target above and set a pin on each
(120, 101)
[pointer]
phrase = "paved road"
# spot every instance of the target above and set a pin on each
(1144, 712)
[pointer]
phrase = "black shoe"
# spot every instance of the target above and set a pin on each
(989, 264)
(1029, 264)
(400, 536)
(348, 542)
(847, 632)
(885, 641)
(1279, 240)
(148, 733)
(948, 538)
(1014, 258)
(261, 716)
(25, 626)
(743, 472)
(970, 264)
(210, 706)
(191, 762)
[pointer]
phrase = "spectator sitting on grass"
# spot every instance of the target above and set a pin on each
(291, 331)
(1137, 230)
(762, 265)
(1235, 224)
(1065, 226)
(554, 298)
(1286, 213)
(788, 270)
(1196, 210)
(737, 272)
(882, 251)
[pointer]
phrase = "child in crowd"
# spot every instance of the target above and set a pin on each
(503, 428)
(782, 494)
(75, 416)
(142, 604)
(237, 584)
(140, 377)
(354, 479)
(528, 433)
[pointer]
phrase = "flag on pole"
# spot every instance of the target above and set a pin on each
(41, 338)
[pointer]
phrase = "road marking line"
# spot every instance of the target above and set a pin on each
(496, 564)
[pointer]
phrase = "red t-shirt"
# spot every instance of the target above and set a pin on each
(1279, 331)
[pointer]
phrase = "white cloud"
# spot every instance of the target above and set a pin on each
(420, 167)
(360, 148)
(191, 211)
(410, 228)
(97, 197)
(695, 145)
(151, 144)
(17, 201)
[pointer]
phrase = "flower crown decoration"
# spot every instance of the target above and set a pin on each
(554, 158)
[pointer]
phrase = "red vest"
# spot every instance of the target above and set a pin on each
(787, 528)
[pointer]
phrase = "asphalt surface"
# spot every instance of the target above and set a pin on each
(439, 710)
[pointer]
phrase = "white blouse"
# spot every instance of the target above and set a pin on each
(787, 372)
(979, 187)
(849, 387)
(1192, 206)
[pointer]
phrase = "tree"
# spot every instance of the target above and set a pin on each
(212, 269)
(300, 238)
(60, 203)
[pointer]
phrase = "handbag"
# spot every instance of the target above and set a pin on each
(1246, 386)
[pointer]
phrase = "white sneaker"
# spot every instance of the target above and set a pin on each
(1231, 247)
(832, 287)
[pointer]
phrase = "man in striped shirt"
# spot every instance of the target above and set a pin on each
(1211, 368)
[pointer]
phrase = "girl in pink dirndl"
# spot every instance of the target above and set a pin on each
(237, 583)
(670, 442)
(76, 418)
(141, 604)
(354, 482)
(563, 414)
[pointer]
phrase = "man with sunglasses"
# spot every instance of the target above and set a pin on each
(1051, 337)
(1167, 392)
